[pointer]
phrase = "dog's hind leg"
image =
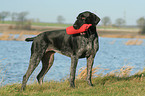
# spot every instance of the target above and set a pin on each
(36, 55)
(47, 62)
(34, 61)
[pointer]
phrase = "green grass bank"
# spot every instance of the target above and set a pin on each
(103, 86)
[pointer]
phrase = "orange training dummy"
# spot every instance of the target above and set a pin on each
(70, 30)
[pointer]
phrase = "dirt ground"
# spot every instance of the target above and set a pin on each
(7, 29)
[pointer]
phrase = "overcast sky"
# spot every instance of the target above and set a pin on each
(48, 10)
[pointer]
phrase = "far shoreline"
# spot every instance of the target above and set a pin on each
(9, 34)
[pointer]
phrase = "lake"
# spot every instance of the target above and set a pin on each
(113, 54)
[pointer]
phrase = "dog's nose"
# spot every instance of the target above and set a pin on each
(75, 25)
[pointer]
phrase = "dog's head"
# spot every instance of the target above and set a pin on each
(86, 18)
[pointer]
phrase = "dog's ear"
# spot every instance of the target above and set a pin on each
(97, 19)
(79, 16)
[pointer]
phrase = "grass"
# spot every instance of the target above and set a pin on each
(104, 86)
(40, 24)
(7, 22)
(108, 85)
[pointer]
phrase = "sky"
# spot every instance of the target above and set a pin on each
(49, 10)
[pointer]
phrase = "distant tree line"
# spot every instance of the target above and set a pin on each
(20, 19)
(141, 24)
(106, 21)
(60, 19)
(120, 22)
(4, 15)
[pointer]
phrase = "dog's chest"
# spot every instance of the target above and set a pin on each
(87, 44)
(86, 48)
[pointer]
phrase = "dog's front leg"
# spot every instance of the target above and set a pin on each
(74, 61)
(90, 61)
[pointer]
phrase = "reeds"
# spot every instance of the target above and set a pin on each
(2, 71)
(7, 36)
(139, 75)
(82, 74)
(130, 42)
(4, 36)
(122, 72)
(134, 42)
(21, 37)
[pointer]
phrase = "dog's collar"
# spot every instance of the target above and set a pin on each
(70, 30)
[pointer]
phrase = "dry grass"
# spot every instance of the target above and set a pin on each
(7, 36)
(121, 36)
(134, 42)
(21, 37)
(122, 72)
(82, 74)
(4, 36)
(1, 73)
(141, 73)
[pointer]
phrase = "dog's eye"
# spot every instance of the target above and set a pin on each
(83, 18)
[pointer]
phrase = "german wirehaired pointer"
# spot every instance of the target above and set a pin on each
(75, 46)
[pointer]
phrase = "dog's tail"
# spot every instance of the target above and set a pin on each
(29, 39)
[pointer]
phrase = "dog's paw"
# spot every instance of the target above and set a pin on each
(72, 85)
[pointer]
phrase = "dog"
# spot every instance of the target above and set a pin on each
(75, 46)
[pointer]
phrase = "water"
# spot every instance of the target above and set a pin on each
(14, 57)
